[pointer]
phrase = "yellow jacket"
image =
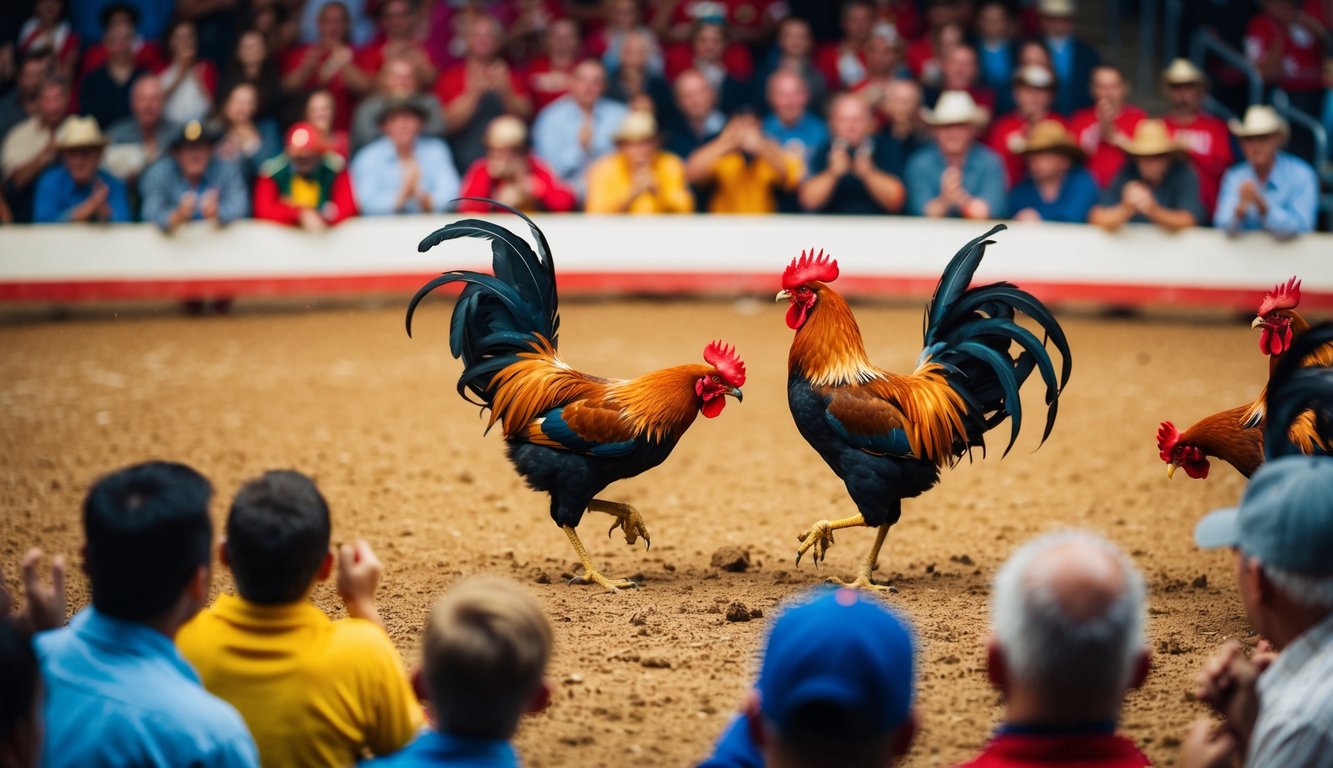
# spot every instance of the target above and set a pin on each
(609, 186)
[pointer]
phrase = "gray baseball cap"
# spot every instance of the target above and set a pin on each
(1285, 517)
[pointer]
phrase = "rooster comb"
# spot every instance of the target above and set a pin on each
(809, 266)
(1167, 437)
(1283, 296)
(723, 357)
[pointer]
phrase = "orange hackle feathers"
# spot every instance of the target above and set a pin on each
(1282, 296)
(729, 365)
(539, 381)
(808, 267)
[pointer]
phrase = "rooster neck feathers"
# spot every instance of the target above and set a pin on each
(660, 405)
(827, 349)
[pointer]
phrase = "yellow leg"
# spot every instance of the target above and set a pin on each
(820, 536)
(628, 520)
(590, 574)
(865, 579)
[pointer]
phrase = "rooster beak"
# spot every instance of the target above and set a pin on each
(1171, 469)
(1258, 323)
(782, 295)
(736, 393)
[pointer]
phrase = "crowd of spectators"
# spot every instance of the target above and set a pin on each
(912, 107)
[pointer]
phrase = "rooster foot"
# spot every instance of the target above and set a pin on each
(819, 538)
(628, 520)
(864, 581)
(611, 585)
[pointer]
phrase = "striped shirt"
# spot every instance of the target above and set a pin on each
(1295, 725)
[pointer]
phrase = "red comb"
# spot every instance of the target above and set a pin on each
(807, 267)
(1282, 297)
(723, 357)
(1167, 435)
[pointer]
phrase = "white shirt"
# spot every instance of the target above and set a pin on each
(1295, 725)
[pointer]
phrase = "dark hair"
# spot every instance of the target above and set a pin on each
(18, 679)
(148, 532)
(277, 537)
(108, 11)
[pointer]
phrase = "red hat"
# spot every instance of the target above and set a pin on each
(305, 138)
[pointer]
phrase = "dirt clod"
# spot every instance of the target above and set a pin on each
(731, 559)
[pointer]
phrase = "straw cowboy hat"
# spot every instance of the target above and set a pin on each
(1183, 72)
(1151, 138)
(506, 132)
(1050, 136)
(1259, 121)
(637, 126)
(80, 133)
(1061, 8)
(955, 108)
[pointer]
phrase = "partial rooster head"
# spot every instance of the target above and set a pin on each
(1275, 317)
(726, 378)
(1178, 453)
(802, 281)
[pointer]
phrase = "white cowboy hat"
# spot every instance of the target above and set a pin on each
(1259, 120)
(506, 132)
(1182, 72)
(79, 132)
(954, 108)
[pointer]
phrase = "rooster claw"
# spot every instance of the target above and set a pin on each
(819, 538)
(634, 529)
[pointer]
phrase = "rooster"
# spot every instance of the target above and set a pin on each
(888, 435)
(567, 433)
(1300, 398)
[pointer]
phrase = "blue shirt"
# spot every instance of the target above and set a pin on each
(162, 186)
(57, 195)
(1078, 193)
(555, 137)
(806, 136)
(85, 17)
(433, 748)
(1291, 191)
(735, 749)
(983, 177)
(118, 693)
(377, 176)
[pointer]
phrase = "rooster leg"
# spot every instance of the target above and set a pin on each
(820, 536)
(590, 574)
(627, 519)
(864, 579)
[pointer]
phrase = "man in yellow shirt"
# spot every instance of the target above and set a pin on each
(638, 177)
(743, 168)
(314, 692)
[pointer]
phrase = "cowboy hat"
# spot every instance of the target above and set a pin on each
(1061, 8)
(955, 108)
(637, 126)
(506, 132)
(1151, 138)
(1259, 120)
(1182, 72)
(1049, 136)
(79, 132)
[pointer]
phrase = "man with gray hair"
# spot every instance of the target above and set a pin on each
(1067, 643)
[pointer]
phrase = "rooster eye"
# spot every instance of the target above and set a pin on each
(715, 378)
(803, 290)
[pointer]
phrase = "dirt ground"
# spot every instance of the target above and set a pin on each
(650, 677)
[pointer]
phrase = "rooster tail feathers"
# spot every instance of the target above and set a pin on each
(1293, 390)
(956, 277)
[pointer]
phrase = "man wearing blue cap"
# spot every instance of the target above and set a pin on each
(835, 689)
(1278, 710)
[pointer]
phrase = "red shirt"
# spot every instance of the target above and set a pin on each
(922, 61)
(1012, 750)
(547, 83)
(827, 61)
(1208, 143)
(1302, 52)
(147, 55)
(903, 15)
(735, 59)
(454, 81)
(550, 192)
(1006, 134)
(370, 58)
(1104, 158)
(342, 95)
(271, 205)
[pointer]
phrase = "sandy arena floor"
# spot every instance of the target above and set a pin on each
(645, 678)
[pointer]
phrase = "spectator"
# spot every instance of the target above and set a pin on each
(306, 186)
(216, 23)
(20, 699)
(1288, 47)
(147, 52)
(252, 64)
(850, 173)
(902, 15)
(397, 82)
(708, 57)
(1159, 186)
(75, 190)
(313, 691)
(403, 171)
(1067, 643)
(484, 654)
(550, 73)
(955, 175)
(996, 52)
(733, 28)
(634, 79)
(790, 122)
(624, 19)
(1034, 92)
(883, 58)
(30, 146)
(579, 127)
(117, 690)
(105, 91)
(638, 177)
(901, 113)
(478, 90)
(699, 118)
(21, 102)
(190, 83)
(836, 687)
(149, 19)
(958, 72)
(512, 176)
(191, 184)
(1272, 190)
(321, 111)
(140, 139)
(48, 31)
(1057, 187)
(794, 51)
(1072, 60)
(1203, 136)
(1034, 53)
(1275, 707)
(925, 57)
(742, 169)
(1104, 127)
(242, 139)
(842, 63)
(328, 63)
(360, 26)
(400, 21)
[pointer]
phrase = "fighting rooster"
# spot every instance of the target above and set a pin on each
(1300, 398)
(567, 433)
(888, 435)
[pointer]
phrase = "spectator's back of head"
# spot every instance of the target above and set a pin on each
(484, 656)
(148, 533)
(277, 537)
(20, 710)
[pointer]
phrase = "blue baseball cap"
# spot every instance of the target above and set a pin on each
(838, 666)
(1285, 517)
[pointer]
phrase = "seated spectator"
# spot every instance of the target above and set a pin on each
(551, 72)
(140, 139)
(360, 23)
(638, 177)
(1203, 136)
(275, 656)
(1275, 707)
(242, 139)
(883, 59)
(1067, 643)
(1072, 61)
(49, 32)
(148, 53)
(510, 174)
(742, 170)
(1272, 190)
(192, 184)
(328, 64)
(836, 687)
(698, 118)
(901, 117)
(399, 22)
(850, 173)
(842, 63)
(403, 171)
(30, 147)
(1104, 127)
(624, 18)
(252, 64)
(321, 111)
(579, 127)
(1033, 52)
(956, 175)
(997, 50)
(105, 91)
(1034, 92)
(790, 122)
(925, 57)
(396, 82)
(75, 190)
(793, 51)
(478, 90)
(1289, 46)
(707, 55)
(189, 82)
(306, 186)
(484, 653)
(21, 699)
(21, 101)
(1057, 187)
(1159, 186)
(702, 34)
(958, 72)
(634, 79)
(117, 690)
